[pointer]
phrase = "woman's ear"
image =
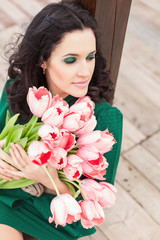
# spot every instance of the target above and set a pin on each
(44, 67)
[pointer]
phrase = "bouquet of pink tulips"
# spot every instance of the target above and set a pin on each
(66, 139)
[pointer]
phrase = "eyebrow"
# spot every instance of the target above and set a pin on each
(74, 54)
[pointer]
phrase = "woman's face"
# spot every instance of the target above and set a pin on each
(71, 65)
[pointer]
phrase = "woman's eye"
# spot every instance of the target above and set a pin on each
(90, 57)
(70, 60)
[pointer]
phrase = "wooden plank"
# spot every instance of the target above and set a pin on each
(146, 13)
(131, 135)
(147, 34)
(141, 82)
(145, 163)
(147, 59)
(105, 15)
(128, 220)
(154, 4)
(112, 19)
(139, 188)
(121, 20)
(135, 106)
(5, 21)
(31, 8)
(7, 36)
(98, 235)
(152, 145)
(12, 12)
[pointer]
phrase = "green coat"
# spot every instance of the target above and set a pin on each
(30, 214)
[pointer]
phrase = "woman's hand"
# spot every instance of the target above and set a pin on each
(28, 169)
(5, 161)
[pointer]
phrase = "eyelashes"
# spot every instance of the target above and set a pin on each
(70, 60)
(91, 56)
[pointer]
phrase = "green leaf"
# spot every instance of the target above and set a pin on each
(8, 117)
(22, 142)
(31, 121)
(8, 126)
(16, 135)
(36, 128)
(26, 129)
(32, 124)
(34, 137)
(13, 132)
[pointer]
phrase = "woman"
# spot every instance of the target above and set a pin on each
(60, 50)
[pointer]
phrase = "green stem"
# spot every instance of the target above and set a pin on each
(77, 186)
(78, 181)
(49, 175)
(75, 147)
(73, 183)
(72, 152)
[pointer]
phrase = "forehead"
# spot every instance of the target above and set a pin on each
(79, 42)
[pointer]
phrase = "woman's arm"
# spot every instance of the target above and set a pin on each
(29, 170)
(111, 118)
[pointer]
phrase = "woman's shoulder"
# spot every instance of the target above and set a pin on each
(111, 118)
(105, 109)
(108, 117)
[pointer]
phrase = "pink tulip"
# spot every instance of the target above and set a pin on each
(57, 138)
(92, 189)
(55, 114)
(66, 140)
(58, 159)
(94, 164)
(73, 169)
(58, 102)
(88, 127)
(64, 209)
(108, 199)
(72, 122)
(38, 100)
(78, 115)
(39, 153)
(83, 106)
(102, 192)
(50, 135)
(102, 140)
(92, 213)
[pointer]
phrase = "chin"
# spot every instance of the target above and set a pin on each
(80, 93)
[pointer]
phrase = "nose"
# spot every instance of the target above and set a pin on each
(84, 69)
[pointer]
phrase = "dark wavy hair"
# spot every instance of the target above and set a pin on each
(43, 34)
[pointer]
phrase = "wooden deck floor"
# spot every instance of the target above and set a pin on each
(136, 214)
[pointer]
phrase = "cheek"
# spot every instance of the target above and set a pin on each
(57, 74)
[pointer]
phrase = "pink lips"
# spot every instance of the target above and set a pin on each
(81, 84)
